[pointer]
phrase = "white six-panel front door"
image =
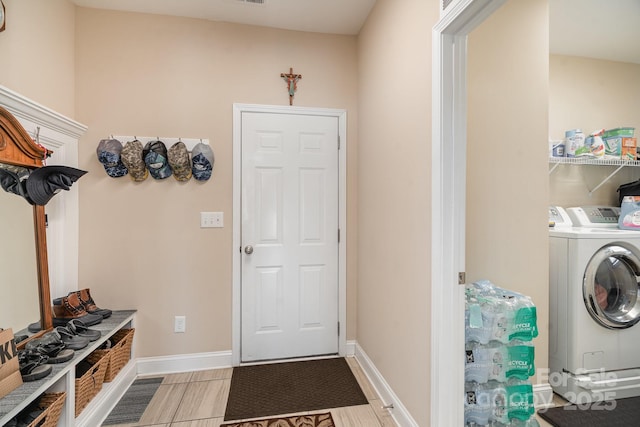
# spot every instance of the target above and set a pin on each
(289, 236)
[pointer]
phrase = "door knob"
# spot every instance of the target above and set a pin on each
(248, 250)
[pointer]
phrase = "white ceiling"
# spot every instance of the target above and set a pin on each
(604, 29)
(322, 16)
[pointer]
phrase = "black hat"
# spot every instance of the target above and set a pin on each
(13, 179)
(11, 182)
(45, 182)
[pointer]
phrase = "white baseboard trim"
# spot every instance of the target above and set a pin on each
(400, 415)
(183, 363)
(101, 405)
(542, 396)
(350, 349)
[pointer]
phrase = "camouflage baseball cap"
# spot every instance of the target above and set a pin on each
(180, 161)
(155, 157)
(131, 156)
(202, 159)
(108, 152)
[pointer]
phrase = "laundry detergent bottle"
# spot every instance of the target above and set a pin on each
(629, 213)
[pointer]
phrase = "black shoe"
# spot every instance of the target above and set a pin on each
(74, 342)
(77, 327)
(51, 345)
(33, 365)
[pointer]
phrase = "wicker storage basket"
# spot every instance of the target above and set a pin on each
(51, 404)
(90, 383)
(120, 352)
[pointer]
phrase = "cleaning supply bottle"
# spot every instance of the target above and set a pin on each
(629, 218)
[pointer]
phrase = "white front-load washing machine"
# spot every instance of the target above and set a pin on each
(594, 307)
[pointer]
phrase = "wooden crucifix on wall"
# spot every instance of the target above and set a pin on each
(292, 83)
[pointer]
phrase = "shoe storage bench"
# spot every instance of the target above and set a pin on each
(63, 379)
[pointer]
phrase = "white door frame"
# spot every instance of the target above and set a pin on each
(341, 115)
(448, 175)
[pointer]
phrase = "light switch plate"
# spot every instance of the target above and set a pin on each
(180, 324)
(211, 219)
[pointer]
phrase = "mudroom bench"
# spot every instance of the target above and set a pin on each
(62, 379)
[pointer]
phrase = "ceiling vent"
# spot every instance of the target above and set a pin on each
(251, 1)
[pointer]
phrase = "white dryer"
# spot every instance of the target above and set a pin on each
(594, 307)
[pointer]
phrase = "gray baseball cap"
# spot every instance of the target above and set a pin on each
(108, 152)
(202, 159)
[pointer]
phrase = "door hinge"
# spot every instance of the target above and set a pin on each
(462, 278)
(338, 142)
(338, 235)
(338, 328)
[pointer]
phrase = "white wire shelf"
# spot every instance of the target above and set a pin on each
(620, 163)
(593, 161)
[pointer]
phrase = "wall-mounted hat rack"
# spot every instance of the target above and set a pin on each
(189, 142)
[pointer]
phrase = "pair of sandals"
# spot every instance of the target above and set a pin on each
(33, 365)
(54, 347)
(76, 335)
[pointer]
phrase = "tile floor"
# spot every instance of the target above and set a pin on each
(199, 399)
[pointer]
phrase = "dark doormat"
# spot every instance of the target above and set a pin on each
(614, 413)
(290, 387)
(133, 403)
(315, 420)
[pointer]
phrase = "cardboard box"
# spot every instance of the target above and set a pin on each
(612, 147)
(629, 149)
(10, 377)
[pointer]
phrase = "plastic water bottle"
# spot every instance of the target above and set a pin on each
(525, 320)
(478, 365)
(479, 320)
(477, 405)
(519, 362)
(499, 362)
(507, 401)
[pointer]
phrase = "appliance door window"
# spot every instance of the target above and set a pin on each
(610, 287)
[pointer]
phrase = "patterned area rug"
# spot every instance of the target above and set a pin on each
(132, 405)
(316, 420)
(291, 387)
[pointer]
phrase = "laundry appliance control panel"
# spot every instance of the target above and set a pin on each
(558, 217)
(594, 216)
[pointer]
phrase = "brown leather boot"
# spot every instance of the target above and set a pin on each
(90, 305)
(70, 307)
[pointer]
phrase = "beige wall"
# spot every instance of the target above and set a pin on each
(394, 205)
(590, 94)
(38, 52)
(146, 75)
(507, 185)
